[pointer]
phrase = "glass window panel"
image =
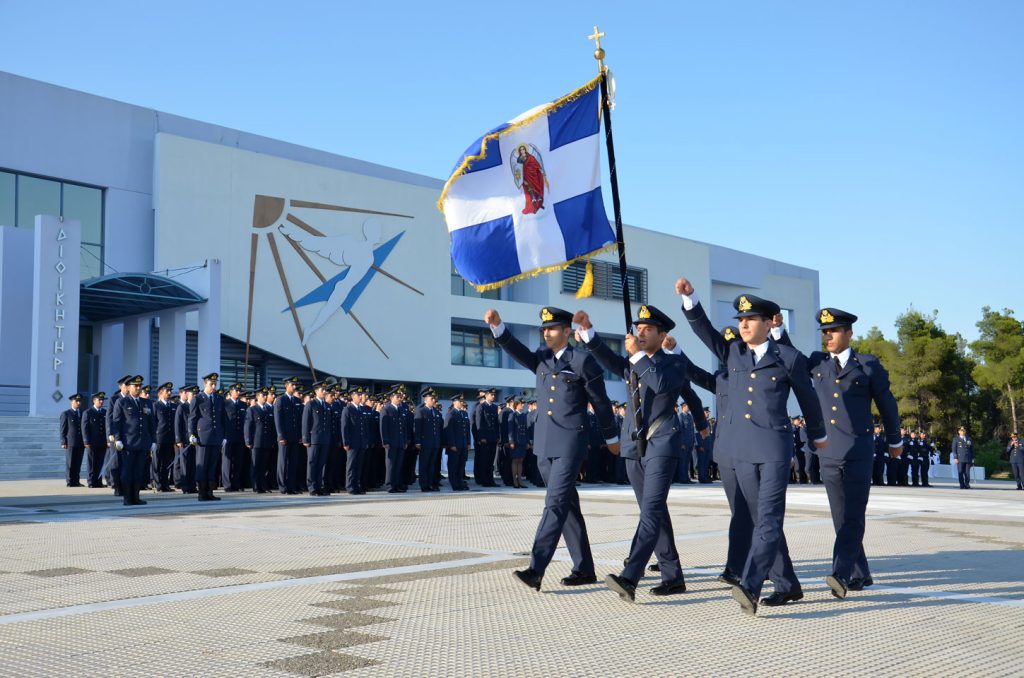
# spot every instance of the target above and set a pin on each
(489, 339)
(86, 205)
(7, 199)
(491, 358)
(472, 339)
(456, 285)
(90, 262)
(458, 355)
(36, 196)
(473, 356)
(492, 294)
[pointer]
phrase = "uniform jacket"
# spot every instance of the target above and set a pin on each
(485, 422)
(1015, 453)
(260, 432)
(393, 429)
(373, 421)
(963, 449)
(133, 423)
(181, 424)
(234, 420)
(316, 423)
(757, 419)
(110, 412)
(71, 428)
(564, 387)
(519, 430)
(687, 431)
(456, 429)
(717, 383)
(206, 419)
(94, 428)
(409, 421)
(288, 418)
(164, 422)
(505, 415)
(355, 423)
(428, 425)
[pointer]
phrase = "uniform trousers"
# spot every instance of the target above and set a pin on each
(763, 486)
(94, 464)
(651, 478)
(847, 484)
(561, 517)
(430, 466)
(73, 464)
(207, 457)
(354, 469)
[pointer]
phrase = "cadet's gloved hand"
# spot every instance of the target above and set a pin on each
(118, 445)
(152, 448)
(224, 442)
(193, 440)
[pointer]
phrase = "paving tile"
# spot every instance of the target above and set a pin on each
(320, 663)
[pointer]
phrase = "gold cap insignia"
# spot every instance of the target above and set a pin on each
(745, 304)
(826, 317)
(545, 315)
(645, 313)
(729, 334)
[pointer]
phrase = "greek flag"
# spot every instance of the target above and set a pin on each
(525, 198)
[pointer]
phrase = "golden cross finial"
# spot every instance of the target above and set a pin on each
(598, 52)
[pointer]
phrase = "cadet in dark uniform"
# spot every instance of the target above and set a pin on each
(376, 458)
(94, 437)
(334, 471)
(653, 450)
(761, 376)
(261, 439)
(316, 438)
(234, 455)
(456, 442)
(1015, 453)
(518, 440)
(291, 457)
(411, 454)
(566, 381)
(847, 383)
(71, 441)
(428, 430)
(925, 450)
(112, 463)
(355, 436)
(505, 415)
(485, 439)
(186, 451)
(132, 427)
(961, 454)
(881, 455)
(530, 464)
(394, 436)
(163, 459)
(206, 432)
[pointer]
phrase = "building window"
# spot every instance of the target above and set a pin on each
(474, 346)
(607, 282)
(461, 288)
(614, 344)
(23, 196)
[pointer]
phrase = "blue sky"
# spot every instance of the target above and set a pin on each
(879, 142)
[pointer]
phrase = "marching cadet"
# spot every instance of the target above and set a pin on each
(428, 430)
(316, 438)
(761, 376)
(112, 462)
(94, 437)
(165, 412)
(394, 435)
(568, 380)
(485, 439)
(519, 440)
(185, 453)
(961, 454)
(355, 437)
(1015, 452)
(261, 439)
(456, 442)
(925, 450)
(206, 432)
(291, 458)
(653, 445)
(132, 427)
(881, 455)
(847, 382)
(71, 440)
(235, 455)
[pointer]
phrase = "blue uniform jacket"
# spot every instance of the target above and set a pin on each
(456, 429)
(288, 418)
(259, 427)
(428, 425)
(355, 427)
(564, 387)
(133, 423)
(94, 427)
(164, 422)
(181, 424)
(963, 449)
(206, 419)
(234, 420)
(485, 422)
(71, 428)
(519, 429)
(316, 423)
(393, 429)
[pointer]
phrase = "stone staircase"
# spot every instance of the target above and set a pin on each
(30, 448)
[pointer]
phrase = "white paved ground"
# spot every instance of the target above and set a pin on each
(415, 585)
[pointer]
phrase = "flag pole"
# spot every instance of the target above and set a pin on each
(606, 109)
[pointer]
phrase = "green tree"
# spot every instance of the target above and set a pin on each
(1000, 349)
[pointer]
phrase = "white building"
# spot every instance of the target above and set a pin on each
(184, 256)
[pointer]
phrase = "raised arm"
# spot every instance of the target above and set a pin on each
(509, 343)
(699, 322)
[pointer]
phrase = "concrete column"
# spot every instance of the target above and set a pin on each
(137, 346)
(172, 347)
(209, 324)
(108, 344)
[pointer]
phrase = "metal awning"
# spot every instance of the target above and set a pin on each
(125, 294)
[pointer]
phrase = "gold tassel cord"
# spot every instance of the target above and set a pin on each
(587, 286)
(487, 287)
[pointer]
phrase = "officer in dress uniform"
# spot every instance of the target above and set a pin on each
(456, 442)
(505, 416)
(234, 455)
(1015, 453)
(261, 439)
(206, 432)
(394, 435)
(847, 382)
(566, 381)
(428, 430)
(334, 473)
(761, 376)
(519, 441)
(486, 432)
(913, 451)
(94, 437)
(411, 455)
(925, 450)
(961, 454)
(185, 450)
(653, 446)
(71, 440)
(113, 459)
(164, 458)
(530, 465)
(291, 458)
(316, 438)
(376, 457)
(881, 455)
(355, 436)
(133, 426)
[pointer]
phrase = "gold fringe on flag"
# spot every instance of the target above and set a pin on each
(587, 286)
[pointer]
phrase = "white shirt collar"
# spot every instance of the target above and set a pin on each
(843, 357)
(759, 351)
(558, 355)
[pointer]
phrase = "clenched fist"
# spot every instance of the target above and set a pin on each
(492, 318)
(776, 320)
(582, 319)
(683, 286)
(669, 343)
(630, 344)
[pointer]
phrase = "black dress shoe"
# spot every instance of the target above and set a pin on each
(668, 588)
(747, 602)
(779, 598)
(838, 585)
(654, 567)
(858, 584)
(727, 577)
(529, 577)
(624, 587)
(579, 579)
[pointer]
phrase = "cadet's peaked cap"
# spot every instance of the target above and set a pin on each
(212, 376)
(747, 305)
(652, 316)
(320, 384)
(829, 318)
(134, 381)
(235, 387)
(291, 380)
(75, 396)
(166, 387)
(125, 379)
(428, 391)
(554, 317)
(731, 333)
(99, 395)
(147, 388)
(458, 396)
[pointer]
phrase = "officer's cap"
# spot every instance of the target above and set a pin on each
(75, 396)
(649, 315)
(291, 380)
(235, 387)
(830, 318)
(166, 387)
(428, 391)
(458, 397)
(731, 333)
(554, 317)
(99, 395)
(748, 305)
(531, 402)
(134, 381)
(212, 376)
(147, 388)
(272, 390)
(125, 379)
